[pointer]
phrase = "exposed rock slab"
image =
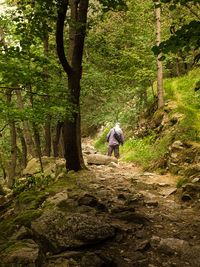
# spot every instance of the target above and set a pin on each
(60, 232)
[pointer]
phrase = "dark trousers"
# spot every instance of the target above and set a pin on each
(116, 151)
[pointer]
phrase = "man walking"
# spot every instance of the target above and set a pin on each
(114, 139)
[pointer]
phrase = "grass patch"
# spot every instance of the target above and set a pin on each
(144, 150)
(189, 127)
(181, 181)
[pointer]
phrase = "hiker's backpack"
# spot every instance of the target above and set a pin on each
(117, 136)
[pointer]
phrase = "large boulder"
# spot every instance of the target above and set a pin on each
(32, 167)
(60, 232)
(99, 159)
(51, 166)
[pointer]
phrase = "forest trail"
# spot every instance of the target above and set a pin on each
(112, 215)
(154, 227)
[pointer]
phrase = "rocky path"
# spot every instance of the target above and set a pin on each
(112, 215)
(154, 229)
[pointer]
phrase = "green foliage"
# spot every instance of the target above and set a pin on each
(186, 37)
(101, 144)
(118, 66)
(29, 65)
(181, 92)
(31, 183)
(113, 4)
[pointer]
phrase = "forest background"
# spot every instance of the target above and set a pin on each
(118, 78)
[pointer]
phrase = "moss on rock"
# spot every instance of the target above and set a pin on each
(27, 217)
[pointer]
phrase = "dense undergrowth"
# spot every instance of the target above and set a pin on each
(183, 93)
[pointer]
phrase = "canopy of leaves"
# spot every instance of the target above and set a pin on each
(186, 37)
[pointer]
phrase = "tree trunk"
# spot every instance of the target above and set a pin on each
(47, 135)
(71, 128)
(177, 67)
(57, 139)
(3, 168)
(27, 133)
(38, 146)
(159, 63)
(47, 127)
(72, 143)
(61, 148)
(13, 144)
(24, 149)
(36, 137)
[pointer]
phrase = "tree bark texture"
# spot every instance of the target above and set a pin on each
(38, 146)
(23, 153)
(37, 137)
(56, 139)
(160, 93)
(73, 68)
(47, 127)
(11, 170)
(27, 133)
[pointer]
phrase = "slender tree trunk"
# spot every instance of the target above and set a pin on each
(27, 133)
(159, 63)
(61, 147)
(71, 127)
(177, 67)
(47, 127)
(24, 148)
(38, 146)
(3, 168)
(37, 138)
(47, 134)
(13, 144)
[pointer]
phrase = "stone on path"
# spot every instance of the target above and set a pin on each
(99, 159)
(168, 192)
